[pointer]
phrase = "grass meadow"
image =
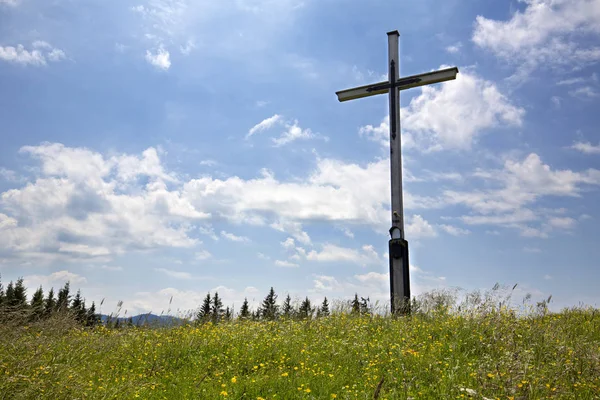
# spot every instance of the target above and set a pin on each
(483, 351)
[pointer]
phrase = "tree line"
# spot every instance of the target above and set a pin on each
(14, 304)
(212, 310)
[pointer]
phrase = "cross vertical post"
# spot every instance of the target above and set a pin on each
(397, 245)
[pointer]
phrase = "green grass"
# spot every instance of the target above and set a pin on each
(434, 355)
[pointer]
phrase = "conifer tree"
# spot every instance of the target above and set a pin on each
(305, 311)
(50, 303)
(78, 308)
(204, 311)
(287, 309)
(217, 308)
(269, 308)
(92, 317)
(64, 298)
(256, 315)
(10, 295)
(227, 316)
(20, 294)
(37, 304)
(245, 309)
(355, 305)
(2, 295)
(324, 310)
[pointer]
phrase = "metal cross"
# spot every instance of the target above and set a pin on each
(398, 246)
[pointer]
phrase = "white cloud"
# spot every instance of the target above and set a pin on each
(202, 255)
(547, 277)
(265, 124)
(174, 274)
(570, 81)
(455, 48)
(453, 115)
(21, 56)
(586, 147)
(333, 253)
(41, 53)
(520, 184)
(10, 2)
(56, 55)
(454, 230)
(562, 222)
(234, 238)
(85, 205)
(293, 228)
(419, 228)
(584, 92)
(161, 59)
(293, 132)
(544, 34)
(56, 279)
(286, 264)
(450, 116)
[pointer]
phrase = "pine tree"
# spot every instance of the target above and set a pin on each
(245, 310)
(64, 298)
(256, 315)
(92, 317)
(37, 304)
(78, 308)
(50, 303)
(216, 311)
(20, 294)
(324, 310)
(355, 305)
(287, 309)
(269, 308)
(10, 295)
(227, 314)
(204, 312)
(305, 311)
(2, 295)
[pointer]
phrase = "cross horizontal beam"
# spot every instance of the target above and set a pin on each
(403, 83)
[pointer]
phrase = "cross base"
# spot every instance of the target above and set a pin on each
(399, 276)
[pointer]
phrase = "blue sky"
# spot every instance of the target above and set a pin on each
(172, 147)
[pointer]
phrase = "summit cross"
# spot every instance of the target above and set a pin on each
(398, 246)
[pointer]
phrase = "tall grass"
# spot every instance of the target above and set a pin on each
(474, 347)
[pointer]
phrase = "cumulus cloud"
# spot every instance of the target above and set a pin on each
(511, 192)
(455, 48)
(333, 253)
(286, 264)
(234, 238)
(39, 55)
(546, 33)
(419, 228)
(454, 230)
(161, 59)
(450, 116)
(56, 279)
(586, 147)
(175, 274)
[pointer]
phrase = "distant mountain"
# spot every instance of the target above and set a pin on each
(147, 319)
